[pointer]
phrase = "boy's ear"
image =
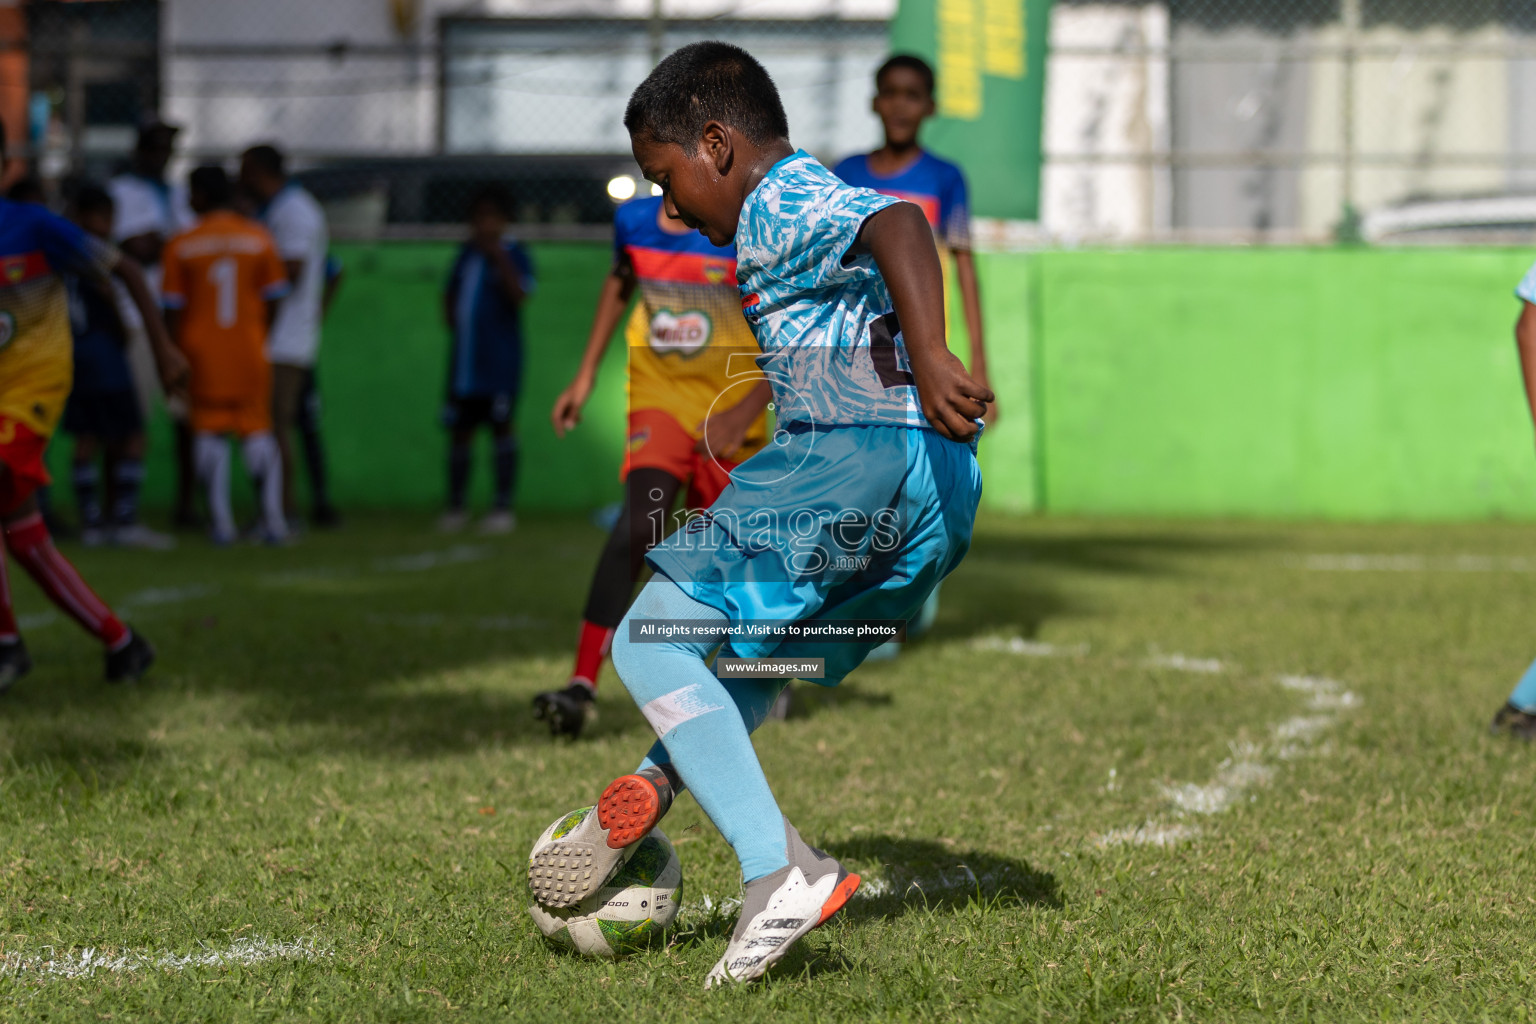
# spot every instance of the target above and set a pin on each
(718, 146)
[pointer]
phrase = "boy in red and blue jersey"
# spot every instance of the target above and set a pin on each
(904, 91)
(36, 370)
(696, 410)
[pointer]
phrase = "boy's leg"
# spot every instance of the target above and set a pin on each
(264, 462)
(14, 661)
(212, 456)
(706, 740)
(321, 509)
(460, 439)
(85, 478)
(648, 494)
(28, 540)
(1518, 715)
(504, 449)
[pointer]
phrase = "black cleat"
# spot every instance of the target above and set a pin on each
(325, 517)
(14, 663)
(131, 661)
(1512, 720)
(567, 711)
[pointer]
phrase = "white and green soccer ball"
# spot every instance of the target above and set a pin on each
(629, 913)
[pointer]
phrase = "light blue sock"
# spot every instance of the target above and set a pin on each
(1524, 694)
(703, 725)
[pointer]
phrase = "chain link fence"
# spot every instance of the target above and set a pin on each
(1182, 120)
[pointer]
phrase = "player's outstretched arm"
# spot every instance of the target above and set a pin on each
(970, 302)
(611, 304)
(169, 360)
(1525, 341)
(901, 243)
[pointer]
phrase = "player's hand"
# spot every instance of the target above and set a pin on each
(722, 433)
(175, 371)
(567, 411)
(990, 416)
(951, 399)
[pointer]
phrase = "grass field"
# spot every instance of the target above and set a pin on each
(1138, 771)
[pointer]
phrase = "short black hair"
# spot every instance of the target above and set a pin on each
(494, 196)
(27, 190)
(909, 62)
(92, 199)
(212, 183)
(266, 158)
(703, 82)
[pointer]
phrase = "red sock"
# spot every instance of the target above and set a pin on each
(7, 615)
(33, 548)
(591, 649)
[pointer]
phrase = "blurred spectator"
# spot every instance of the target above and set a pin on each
(223, 279)
(103, 413)
(298, 227)
(148, 211)
(482, 304)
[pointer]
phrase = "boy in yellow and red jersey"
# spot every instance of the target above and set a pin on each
(222, 282)
(696, 411)
(36, 371)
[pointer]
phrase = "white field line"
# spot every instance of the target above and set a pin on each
(1246, 769)
(459, 554)
(132, 605)
(1028, 648)
(1184, 663)
(434, 620)
(1152, 833)
(85, 963)
(1416, 563)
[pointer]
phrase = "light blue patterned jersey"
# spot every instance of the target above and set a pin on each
(831, 345)
(1527, 287)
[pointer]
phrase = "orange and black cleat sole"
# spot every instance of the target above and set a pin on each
(628, 809)
(840, 896)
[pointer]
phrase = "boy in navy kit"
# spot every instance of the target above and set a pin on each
(483, 303)
(862, 503)
(103, 413)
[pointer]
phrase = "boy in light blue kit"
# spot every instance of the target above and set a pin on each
(1518, 715)
(864, 500)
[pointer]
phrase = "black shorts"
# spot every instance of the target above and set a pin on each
(109, 415)
(468, 412)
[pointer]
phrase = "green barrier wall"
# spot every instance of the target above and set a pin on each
(1285, 383)
(1288, 383)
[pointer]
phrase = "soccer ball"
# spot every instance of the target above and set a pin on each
(632, 911)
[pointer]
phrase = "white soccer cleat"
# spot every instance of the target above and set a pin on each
(778, 910)
(584, 853)
(497, 523)
(137, 535)
(452, 522)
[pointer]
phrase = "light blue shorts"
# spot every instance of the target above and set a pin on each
(837, 523)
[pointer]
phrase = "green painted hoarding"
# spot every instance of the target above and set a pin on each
(1293, 383)
(989, 57)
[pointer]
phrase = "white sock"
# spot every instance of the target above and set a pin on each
(210, 453)
(264, 461)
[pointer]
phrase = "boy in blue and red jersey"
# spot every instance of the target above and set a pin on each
(696, 406)
(36, 369)
(904, 91)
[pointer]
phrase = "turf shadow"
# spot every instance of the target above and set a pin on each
(903, 875)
